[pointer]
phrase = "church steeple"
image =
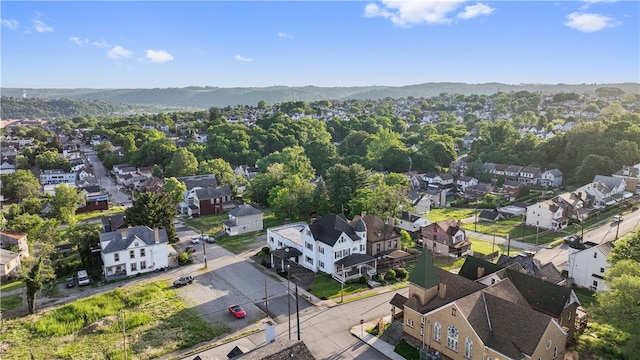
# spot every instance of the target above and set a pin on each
(423, 281)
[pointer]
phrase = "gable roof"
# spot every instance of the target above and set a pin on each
(121, 239)
(244, 210)
(472, 264)
(509, 328)
(202, 181)
(541, 295)
(328, 229)
(213, 193)
(377, 229)
(449, 226)
(114, 222)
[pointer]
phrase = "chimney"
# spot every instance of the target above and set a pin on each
(156, 235)
(480, 272)
(442, 291)
(392, 221)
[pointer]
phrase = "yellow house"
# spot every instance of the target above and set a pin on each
(462, 319)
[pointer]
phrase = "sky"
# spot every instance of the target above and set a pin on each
(164, 44)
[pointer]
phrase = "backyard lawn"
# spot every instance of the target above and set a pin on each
(157, 322)
(436, 215)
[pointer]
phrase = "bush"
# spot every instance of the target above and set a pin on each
(183, 258)
(263, 262)
(390, 275)
(402, 273)
(378, 277)
(360, 280)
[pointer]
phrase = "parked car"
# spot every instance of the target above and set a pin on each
(617, 218)
(237, 311)
(209, 239)
(83, 278)
(195, 240)
(71, 282)
(190, 249)
(185, 280)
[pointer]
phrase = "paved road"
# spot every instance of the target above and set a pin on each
(117, 196)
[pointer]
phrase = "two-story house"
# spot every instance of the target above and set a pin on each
(464, 182)
(382, 237)
(412, 223)
(243, 219)
(587, 263)
(550, 214)
(14, 241)
(330, 244)
(10, 263)
(57, 176)
(446, 237)
(551, 178)
(134, 250)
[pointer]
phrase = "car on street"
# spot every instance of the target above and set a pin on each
(71, 282)
(190, 249)
(184, 280)
(617, 218)
(195, 240)
(209, 239)
(83, 278)
(237, 311)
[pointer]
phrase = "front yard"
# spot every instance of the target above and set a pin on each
(157, 322)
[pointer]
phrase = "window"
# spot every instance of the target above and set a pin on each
(279, 244)
(410, 323)
(468, 348)
(422, 320)
(309, 260)
(134, 267)
(336, 255)
(271, 239)
(570, 315)
(453, 311)
(136, 244)
(143, 265)
(422, 331)
(321, 249)
(142, 252)
(436, 331)
(595, 283)
(452, 338)
(377, 247)
(435, 237)
(601, 270)
(395, 244)
(555, 352)
(362, 248)
(116, 257)
(308, 246)
(548, 345)
(132, 254)
(595, 255)
(321, 263)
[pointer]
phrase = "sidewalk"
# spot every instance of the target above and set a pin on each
(360, 331)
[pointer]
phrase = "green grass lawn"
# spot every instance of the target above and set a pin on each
(407, 351)
(10, 302)
(12, 286)
(436, 215)
(325, 287)
(100, 213)
(486, 247)
(157, 322)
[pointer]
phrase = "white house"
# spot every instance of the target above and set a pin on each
(243, 219)
(549, 214)
(465, 181)
(57, 176)
(608, 190)
(551, 178)
(10, 262)
(330, 244)
(587, 263)
(411, 222)
(133, 250)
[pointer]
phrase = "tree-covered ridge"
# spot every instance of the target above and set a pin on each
(205, 97)
(39, 108)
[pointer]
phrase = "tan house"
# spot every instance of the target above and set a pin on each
(243, 219)
(463, 319)
(382, 237)
(10, 263)
(14, 241)
(446, 237)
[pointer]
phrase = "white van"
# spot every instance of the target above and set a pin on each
(83, 278)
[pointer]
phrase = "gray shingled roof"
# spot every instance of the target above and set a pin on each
(328, 229)
(244, 210)
(471, 265)
(542, 295)
(121, 239)
(213, 193)
(202, 181)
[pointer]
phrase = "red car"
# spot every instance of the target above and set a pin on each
(237, 311)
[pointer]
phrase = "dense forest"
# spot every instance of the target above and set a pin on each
(39, 108)
(205, 97)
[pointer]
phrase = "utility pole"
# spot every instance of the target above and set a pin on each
(617, 229)
(289, 298)
(537, 231)
(124, 336)
(297, 312)
(204, 252)
(342, 287)
(266, 298)
(475, 224)
(493, 244)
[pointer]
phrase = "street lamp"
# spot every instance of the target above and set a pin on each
(289, 299)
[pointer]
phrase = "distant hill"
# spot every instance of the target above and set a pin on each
(206, 97)
(34, 108)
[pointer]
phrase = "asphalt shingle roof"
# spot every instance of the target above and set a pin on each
(121, 239)
(328, 229)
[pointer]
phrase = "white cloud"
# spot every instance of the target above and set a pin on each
(407, 13)
(118, 52)
(76, 40)
(282, 35)
(102, 43)
(586, 22)
(476, 10)
(242, 58)
(158, 56)
(10, 23)
(588, 3)
(41, 27)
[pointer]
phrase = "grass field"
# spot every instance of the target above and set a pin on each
(157, 322)
(324, 287)
(100, 213)
(436, 215)
(10, 302)
(12, 286)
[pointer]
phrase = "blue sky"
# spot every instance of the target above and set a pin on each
(127, 44)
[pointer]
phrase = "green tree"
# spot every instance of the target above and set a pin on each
(183, 163)
(293, 199)
(20, 185)
(65, 201)
(321, 154)
(84, 237)
(619, 305)
(35, 277)
(627, 248)
(593, 165)
(175, 189)
(406, 241)
(155, 211)
(342, 184)
(51, 159)
(220, 168)
(261, 185)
